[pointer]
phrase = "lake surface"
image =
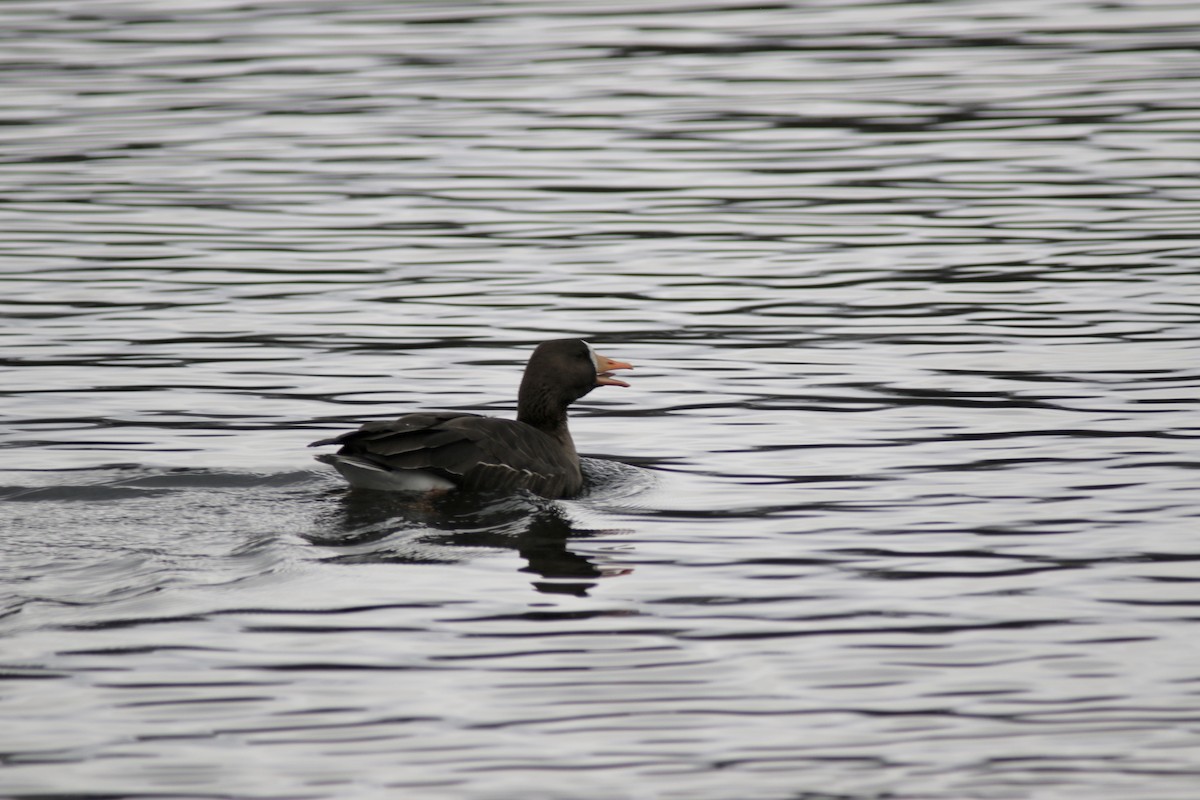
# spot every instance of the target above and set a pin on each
(902, 501)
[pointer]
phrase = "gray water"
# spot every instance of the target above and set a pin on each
(902, 501)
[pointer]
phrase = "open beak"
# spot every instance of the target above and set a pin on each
(604, 368)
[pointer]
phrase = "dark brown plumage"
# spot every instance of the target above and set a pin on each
(448, 449)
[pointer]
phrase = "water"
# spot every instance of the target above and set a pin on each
(902, 500)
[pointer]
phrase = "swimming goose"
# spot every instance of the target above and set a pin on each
(451, 449)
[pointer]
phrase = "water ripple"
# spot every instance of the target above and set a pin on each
(899, 503)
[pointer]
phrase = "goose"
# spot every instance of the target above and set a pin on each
(429, 450)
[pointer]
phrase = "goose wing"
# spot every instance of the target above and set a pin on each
(469, 450)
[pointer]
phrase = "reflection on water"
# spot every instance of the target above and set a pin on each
(901, 501)
(435, 528)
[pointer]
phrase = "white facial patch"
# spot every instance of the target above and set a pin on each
(595, 358)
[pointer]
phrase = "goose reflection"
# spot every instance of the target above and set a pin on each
(377, 527)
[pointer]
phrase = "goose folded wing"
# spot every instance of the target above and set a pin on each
(513, 455)
(472, 451)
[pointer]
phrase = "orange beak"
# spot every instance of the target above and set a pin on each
(604, 368)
